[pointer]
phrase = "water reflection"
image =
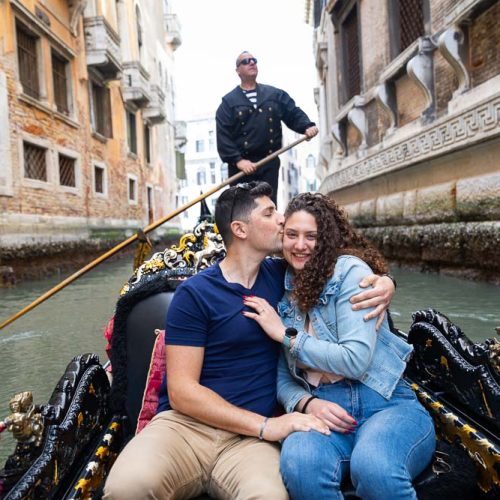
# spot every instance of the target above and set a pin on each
(475, 307)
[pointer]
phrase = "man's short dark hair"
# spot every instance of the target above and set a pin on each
(239, 55)
(236, 203)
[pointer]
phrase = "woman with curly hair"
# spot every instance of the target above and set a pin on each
(338, 367)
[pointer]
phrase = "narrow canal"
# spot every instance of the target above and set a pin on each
(35, 349)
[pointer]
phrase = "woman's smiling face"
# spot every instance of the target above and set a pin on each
(299, 238)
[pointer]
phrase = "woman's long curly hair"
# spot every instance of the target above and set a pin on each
(335, 237)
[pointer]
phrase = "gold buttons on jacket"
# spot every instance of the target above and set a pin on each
(270, 119)
(240, 113)
(260, 110)
(271, 130)
(270, 109)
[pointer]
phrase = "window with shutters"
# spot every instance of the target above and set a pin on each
(35, 162)
(351, 54)
(131, 132)
(100, 107)
(147, 143)
(27, 56)
(60, 83)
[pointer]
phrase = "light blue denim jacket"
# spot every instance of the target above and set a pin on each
(345, 344)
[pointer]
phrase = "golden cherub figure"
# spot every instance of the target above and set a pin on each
(26, 425)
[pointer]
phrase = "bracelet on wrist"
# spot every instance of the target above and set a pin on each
(262, 427)
(306, 404)
(391, 277)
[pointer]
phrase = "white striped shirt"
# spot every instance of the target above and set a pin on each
(252, 96)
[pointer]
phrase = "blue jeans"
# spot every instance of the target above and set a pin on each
(393, 442)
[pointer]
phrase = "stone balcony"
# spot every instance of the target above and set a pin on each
(102, 46)
(155, 112)
(173, 30)
(135, 84)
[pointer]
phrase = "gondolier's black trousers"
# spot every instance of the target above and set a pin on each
(268, 173)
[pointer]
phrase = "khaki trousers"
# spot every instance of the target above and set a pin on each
(176, 456)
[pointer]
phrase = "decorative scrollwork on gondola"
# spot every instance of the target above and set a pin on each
(453, 428)
(446, 361)
(195, 251)
(92, 475)
(75, 415)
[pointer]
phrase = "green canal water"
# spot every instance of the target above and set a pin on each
(35, 349)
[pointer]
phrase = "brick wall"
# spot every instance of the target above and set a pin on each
(378, 122)
(484, 43)
(38, 121)
(410, 100)
(353, 139)
(438, 11)
(374, 40)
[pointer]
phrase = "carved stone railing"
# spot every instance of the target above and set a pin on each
(135, 83)
(155, 112)
(102, 47)
(479, 122)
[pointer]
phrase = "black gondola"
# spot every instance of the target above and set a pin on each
(66, 447)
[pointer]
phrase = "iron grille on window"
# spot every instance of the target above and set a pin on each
(67, 171)
(101, 110)
(352, 66)
(411, 22)
(131, 132)
(59, 77)
(98, 179)
(28, 63)
(35, 166)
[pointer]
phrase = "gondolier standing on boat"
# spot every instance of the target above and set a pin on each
(215, 430)
(249, 124)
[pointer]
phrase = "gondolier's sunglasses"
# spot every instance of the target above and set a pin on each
(247, 61)
(244, 186)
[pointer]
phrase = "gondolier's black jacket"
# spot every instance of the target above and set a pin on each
(253, 133)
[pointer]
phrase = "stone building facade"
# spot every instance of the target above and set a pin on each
(409, 106)
(87, 122)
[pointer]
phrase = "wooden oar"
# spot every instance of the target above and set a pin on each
(147, 229)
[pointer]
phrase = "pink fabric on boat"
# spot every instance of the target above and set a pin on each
(108, 333)
(154, 379)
